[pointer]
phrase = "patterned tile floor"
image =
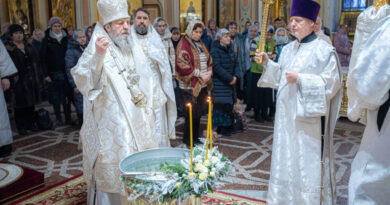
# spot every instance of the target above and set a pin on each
(56, 154)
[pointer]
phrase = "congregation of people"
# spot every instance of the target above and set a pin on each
(149, 79)
(44, 62)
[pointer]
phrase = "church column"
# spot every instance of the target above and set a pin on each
(331, 14)
(176, 13)
(3, 12)
(260, 12)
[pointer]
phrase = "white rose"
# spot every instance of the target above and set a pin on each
(204, 170)
(220, 166)
(198, 167)
(215, 160)
(212, 174)
(202, 176)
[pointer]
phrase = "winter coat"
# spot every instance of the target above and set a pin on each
(207, 40)
(72, 56)
(53, 53)
(224, 71)
(37, 45)
(343, 48)
(240, 53)
(73, 53)
(26, 84)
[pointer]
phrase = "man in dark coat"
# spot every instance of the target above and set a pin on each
(53, 50)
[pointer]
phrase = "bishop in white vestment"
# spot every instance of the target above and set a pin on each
(307, 77)
(118, 116)
(369, 90)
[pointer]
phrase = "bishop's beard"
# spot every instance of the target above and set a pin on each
(122, 41)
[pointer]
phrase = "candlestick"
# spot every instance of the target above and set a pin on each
(209, 130)
(191, 136)
(211, 135)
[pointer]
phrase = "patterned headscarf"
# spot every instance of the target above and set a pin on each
(191, 26)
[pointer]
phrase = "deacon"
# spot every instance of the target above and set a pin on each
(7, 68)
(152, 58)
(369, 89)
(307, 77)
(118, 116)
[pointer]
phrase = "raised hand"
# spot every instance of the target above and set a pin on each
(101, 45)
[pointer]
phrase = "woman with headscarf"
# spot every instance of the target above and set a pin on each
(25, 85)
(342, 45)
(281, 39)
(193, 70)
(76, 48)
(224, 78)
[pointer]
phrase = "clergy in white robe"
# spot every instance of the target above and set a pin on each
(307, 77)
(369, 84)
(118, 116)
(152, 57)
(7, 68)
(367, 23)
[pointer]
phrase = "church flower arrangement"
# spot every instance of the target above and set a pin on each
(182, 179)
(177, 181)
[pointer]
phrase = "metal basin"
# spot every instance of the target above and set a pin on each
(148, 162)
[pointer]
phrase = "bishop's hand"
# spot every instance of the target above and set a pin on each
(101, 45)
(263, 55)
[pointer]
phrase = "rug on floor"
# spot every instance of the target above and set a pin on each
(73, 191)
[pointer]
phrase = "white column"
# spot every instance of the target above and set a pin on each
(43, 17)
(79, 17)
(91, 8)
(2, 12)
(208, 10)
(260, 18)
(176, 12)
(331, 14)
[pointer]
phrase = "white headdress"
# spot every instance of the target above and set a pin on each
(111, 10)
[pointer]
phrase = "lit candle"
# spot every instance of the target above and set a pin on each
(191, 141)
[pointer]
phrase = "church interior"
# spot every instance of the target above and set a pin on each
(45, 167)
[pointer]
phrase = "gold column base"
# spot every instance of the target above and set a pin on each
(344, 104)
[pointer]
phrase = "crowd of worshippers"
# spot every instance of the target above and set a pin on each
(225, 56)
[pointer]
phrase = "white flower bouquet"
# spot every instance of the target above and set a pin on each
(176, 181)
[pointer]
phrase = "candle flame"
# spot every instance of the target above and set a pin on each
(188, 104)
(208, 99)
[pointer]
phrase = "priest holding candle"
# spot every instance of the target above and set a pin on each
(308, 80)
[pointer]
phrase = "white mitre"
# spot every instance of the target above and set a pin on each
(111, 10)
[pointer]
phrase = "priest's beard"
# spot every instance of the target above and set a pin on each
(141, 29)
(122, 41)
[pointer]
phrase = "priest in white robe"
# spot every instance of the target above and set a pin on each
(308, 80)
(152, 58)
(369, 90)
(118, 116)
(7, 68)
